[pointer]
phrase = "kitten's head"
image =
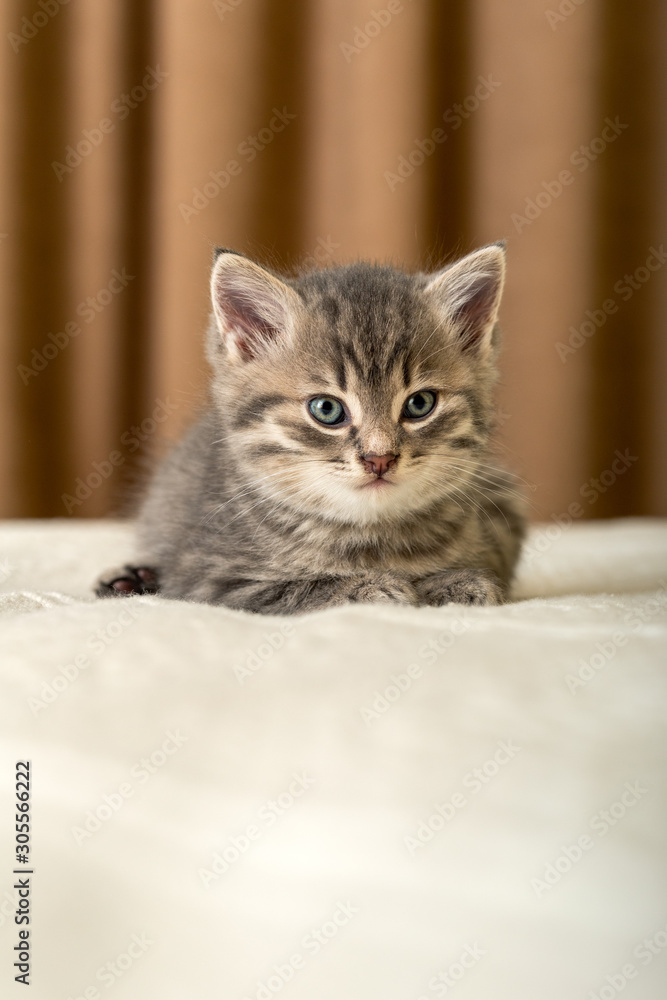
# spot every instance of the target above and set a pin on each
(358, 393)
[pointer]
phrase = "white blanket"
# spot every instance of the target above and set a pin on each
(369, 802)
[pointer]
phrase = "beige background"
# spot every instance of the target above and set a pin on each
(559, 69)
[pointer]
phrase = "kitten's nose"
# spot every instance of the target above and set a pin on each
(378, 463)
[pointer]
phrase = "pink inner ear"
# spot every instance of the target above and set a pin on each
(473, 315)
(251, 330)
(245, 322)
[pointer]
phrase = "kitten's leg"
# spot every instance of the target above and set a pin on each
(287, 597)
(381, 588)
(460, 586)
(126, 581)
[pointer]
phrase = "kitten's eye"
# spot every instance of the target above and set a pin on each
(419, 405)
(327, 410)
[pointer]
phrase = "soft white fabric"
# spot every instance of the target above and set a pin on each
(558, 698)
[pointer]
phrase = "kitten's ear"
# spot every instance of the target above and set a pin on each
(468, 293)
(252, 308)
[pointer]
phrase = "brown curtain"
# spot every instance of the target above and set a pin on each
(136, 135)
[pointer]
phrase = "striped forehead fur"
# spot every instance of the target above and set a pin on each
(372, 314)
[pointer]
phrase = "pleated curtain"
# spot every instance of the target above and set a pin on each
(137, 135)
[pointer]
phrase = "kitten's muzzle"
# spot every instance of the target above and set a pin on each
(378, 464)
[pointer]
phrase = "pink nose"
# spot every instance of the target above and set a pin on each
(378, 464)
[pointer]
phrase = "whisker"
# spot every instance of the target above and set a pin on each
(479, 508)
(495, 468)
(297, 510)
(497, 482)
(431, 334)
(252, 485)
(488, 499)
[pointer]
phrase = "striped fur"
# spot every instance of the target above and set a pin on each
(262, 508)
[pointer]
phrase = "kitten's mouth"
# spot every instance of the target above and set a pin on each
(379, 483)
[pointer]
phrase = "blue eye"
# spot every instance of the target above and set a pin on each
(419, 405)
(327, 410)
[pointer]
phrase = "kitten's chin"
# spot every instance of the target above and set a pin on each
(377, 500)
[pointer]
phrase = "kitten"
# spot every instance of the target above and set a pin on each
(344, 455)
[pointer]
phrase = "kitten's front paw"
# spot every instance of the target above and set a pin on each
(127, 581)
(384, 588)
(460, 586)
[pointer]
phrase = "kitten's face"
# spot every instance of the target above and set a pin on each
(358, 394)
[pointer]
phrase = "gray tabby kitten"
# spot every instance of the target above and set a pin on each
(344, 455)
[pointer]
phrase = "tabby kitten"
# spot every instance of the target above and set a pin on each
(344, 455)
